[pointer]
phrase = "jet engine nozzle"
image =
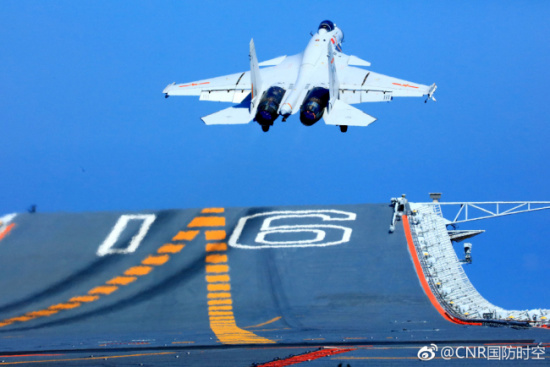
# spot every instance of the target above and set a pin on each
(314, 105)
(269, 105)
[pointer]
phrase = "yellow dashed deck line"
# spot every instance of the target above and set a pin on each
(220, 313)
(220, 308)
(122, 280)
(156, 260)
(217, 278)
(217, 268)
(138, 270)
(129, 275)
(230, 333)
(20, 319)
(216, 235)
(65, 306)
(219, 295)
(185, 236)
(213, 210)
(215, 302)
(103, 289)
(41, 313)
(207, 222)
(216, 259)
(170, 248)
(229, 318)
(84, 299)
(224, 287)
(211, 247)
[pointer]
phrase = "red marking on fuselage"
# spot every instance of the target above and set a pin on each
(6, 231)
(305, 357)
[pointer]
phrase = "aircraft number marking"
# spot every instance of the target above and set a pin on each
(339, 234)
(106, 248)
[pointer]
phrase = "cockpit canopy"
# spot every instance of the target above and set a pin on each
(328, 25)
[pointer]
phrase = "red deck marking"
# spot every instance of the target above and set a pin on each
(305, 357)
(423, 280)
(6, 231)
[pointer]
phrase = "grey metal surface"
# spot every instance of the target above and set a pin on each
(363, 291)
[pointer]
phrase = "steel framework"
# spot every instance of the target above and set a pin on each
(471, 211)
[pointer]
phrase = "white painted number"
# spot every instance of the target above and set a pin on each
(293, 235)
(106, 248)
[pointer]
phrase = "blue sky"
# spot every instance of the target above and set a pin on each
(84, 125)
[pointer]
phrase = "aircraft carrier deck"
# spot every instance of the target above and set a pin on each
(270, 286)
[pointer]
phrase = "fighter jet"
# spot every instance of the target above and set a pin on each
(321, 82)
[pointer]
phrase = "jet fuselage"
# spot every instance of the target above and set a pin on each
(313, 57)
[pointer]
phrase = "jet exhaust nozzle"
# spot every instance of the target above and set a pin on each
(269, 105)
(314, 105)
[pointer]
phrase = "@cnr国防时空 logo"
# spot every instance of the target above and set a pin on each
(427, 353)
(490, 352)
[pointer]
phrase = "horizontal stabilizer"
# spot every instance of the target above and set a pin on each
(342, 113)
(355, 61)
(273, 62)
(230, 116)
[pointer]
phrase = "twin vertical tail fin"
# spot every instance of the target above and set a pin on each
(255, 77)
(334, 83)
(338, 112)
(244, 112)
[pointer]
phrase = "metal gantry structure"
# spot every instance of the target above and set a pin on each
(471, 211)
(443, 270)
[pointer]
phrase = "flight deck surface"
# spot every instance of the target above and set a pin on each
(222, 286)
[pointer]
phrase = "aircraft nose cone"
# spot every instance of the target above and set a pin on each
(285, 109)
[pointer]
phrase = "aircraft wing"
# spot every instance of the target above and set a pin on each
(359, 85)
(229, 88)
